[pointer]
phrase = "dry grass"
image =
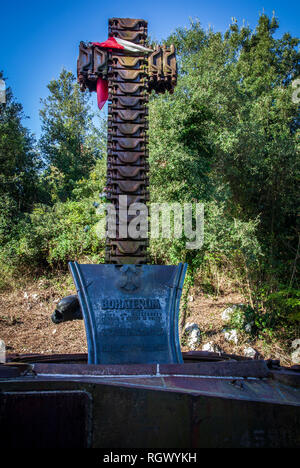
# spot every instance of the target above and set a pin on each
(25, 320)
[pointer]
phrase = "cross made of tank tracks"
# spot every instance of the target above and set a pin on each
(130, 75)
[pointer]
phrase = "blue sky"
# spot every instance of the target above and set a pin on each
(39, 37)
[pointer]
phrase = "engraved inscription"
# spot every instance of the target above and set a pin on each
(135, 318)
(132, 317)
(153, 331)
(136, 303)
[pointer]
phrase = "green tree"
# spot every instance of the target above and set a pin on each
(243, 78)
(70, 142)
(263, 164)
(229, 136)
(19, 160)
(19, 166)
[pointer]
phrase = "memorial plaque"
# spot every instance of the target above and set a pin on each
(130, 312)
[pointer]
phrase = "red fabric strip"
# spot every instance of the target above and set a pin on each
(102, 92)
(102, 85)
(111, 43)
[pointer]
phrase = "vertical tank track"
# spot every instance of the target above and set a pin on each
(127, 165)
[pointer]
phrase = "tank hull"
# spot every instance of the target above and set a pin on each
(216, 404)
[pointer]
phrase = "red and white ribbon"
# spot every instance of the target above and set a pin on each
(115, 43)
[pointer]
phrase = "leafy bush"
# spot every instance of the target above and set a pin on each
(230, 245)
(287, 303)
(52, 236)
(274, 313)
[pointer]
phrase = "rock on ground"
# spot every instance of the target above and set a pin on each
(227, 313)
(248, 327)
(296, 343)
(250, 352)
(295, 355)
(231, 335)
(2, 351)
(211, 347)
(193, 335)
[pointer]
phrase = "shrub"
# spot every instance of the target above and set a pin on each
(52, 236)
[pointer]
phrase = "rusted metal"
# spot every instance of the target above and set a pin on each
(92, 63)
(131, 76)
(162, 70)
(188, 356)
(11, 370)
(133, 30)
(50, 358)
(127, 138)
(218, 405)
(242, 369)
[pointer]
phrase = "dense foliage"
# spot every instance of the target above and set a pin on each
(48, 190)
(228, 137)
(70, 143)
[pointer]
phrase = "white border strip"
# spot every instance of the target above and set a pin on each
(143, 376)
